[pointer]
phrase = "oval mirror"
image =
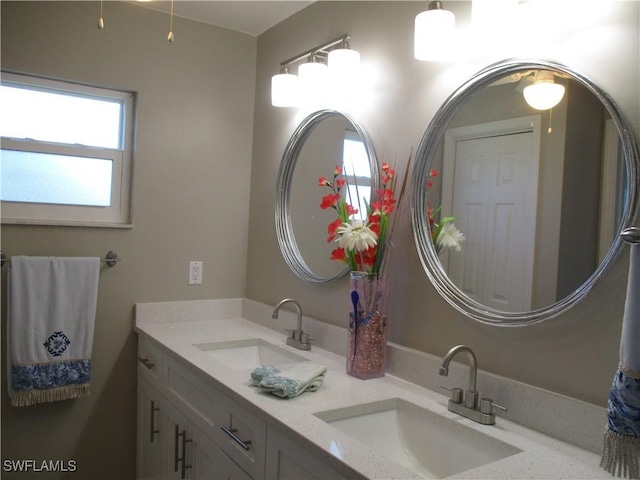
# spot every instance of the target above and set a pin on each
(322, 141)
(540, 195)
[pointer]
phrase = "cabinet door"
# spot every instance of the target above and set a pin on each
(210, 462)
(150, 433)
(177, 443)
(288, 460)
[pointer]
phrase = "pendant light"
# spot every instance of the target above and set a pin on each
(433, 35)
(544, 93)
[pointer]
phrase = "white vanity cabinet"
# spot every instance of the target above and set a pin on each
(189, 429)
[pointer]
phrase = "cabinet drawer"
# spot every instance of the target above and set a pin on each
(150, 361)
(192, 393)
(243, 437)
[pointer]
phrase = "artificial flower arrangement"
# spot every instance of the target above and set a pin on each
(362, 244)
(444, 233)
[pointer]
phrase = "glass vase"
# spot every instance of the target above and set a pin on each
(366, 351)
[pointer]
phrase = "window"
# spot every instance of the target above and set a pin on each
(66, 153)
(356, 163)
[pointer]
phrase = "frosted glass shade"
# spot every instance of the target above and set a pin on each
(543, 95)
(285, 90)
(344, 62)
(433, 35)
(313, 76)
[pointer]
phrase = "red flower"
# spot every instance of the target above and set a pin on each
(333, 228)
(323, 182)
(340, 183)
(330, 200)
(337, 171)
(351, 210)
(339, 255)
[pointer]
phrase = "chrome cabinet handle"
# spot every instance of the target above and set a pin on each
(176, 459)
(153, 429)
(246, 444)
(185, 440)
(182, 460)
(146, 362)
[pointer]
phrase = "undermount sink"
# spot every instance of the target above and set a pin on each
(429, 444)
(249, 353)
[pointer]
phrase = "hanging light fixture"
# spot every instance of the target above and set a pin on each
(433, 35)
(315, 76)
(544, 93)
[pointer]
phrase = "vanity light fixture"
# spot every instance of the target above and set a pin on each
(433, 34)
(325, 62)
(544, 93)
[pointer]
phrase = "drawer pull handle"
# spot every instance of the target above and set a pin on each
(153, 429)
(146, 362)
(176, 458)
(246, 444)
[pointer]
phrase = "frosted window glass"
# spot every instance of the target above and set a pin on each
(60, 118)
(56, 179)
(355, 159)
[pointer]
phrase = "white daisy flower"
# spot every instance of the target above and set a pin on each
(356, 236)
(450, 237)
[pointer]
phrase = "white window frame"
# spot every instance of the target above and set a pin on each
(118, 214)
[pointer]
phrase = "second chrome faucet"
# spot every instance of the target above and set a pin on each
(468, 403)
(297, 338)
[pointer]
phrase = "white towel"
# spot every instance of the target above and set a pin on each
(303, 377)
(51, 316)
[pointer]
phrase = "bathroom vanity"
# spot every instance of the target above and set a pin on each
(199, 417)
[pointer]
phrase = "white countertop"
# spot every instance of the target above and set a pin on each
(542, 456)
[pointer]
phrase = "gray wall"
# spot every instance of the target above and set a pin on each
(575, 354)
(190, 201)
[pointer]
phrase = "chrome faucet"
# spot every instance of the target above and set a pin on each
(297, 337)
(468, 403)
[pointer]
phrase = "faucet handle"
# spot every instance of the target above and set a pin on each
(486, 406)
(456, 393)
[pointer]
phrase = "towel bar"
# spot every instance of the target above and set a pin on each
(110, 259)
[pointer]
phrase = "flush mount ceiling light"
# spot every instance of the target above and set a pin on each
(433, 35)
(544, 93)
(333, 59)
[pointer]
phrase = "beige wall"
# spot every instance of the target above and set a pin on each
(190, 201)
(196, 128)
(575, 354)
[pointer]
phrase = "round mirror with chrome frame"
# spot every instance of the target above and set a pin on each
(316, 151)
(431, 145)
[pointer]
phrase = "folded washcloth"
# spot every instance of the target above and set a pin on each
(51, 314)
(260, 372)
(303, 377)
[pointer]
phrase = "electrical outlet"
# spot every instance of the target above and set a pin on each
(195, 273)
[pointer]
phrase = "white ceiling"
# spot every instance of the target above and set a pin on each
(247, 16)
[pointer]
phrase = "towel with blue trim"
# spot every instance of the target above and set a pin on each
(51, 315)
(303, 377)
(621, 453)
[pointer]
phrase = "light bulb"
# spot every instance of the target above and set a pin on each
(544, 93)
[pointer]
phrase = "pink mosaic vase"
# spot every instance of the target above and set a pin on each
(366, 352)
